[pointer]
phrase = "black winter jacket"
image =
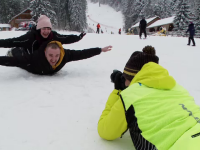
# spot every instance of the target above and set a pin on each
(191, 29)
(37, 63)
(143, 24)
(32, 40)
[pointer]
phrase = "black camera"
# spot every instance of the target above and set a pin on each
(119, 80)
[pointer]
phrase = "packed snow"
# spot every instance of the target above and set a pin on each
(62, 111)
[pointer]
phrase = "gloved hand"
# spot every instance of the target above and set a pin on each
(118, 80)
(82, 35)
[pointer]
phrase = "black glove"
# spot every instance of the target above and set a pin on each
(118, 79)
(82, 35)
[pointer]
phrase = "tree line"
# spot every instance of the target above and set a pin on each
(64, 14)
(71, 14)
(133, 11)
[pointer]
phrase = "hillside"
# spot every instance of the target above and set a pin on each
(109, 19)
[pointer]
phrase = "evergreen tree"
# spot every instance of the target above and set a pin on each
(197, 20)
(166, 9)
(4, 11)
(129, 13)
(8, 9)
(41, 7)
(77, 15)
(158, 10)
(174, 5)
(182, 18)
(13, 9)
(94, 1)
(24, 4)
(147, 10)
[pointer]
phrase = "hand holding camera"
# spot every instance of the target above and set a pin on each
(118, 80)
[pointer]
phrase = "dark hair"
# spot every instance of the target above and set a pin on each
(149, 50)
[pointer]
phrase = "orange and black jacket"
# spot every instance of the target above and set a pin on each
(32, 40)
(37, 63)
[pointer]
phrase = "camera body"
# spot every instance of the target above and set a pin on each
(118, 79)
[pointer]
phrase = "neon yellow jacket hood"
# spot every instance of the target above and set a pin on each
(154, 76)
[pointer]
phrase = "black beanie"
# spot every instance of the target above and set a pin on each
(137, 60)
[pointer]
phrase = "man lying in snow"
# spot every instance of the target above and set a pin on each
(159, 113)
(50, 58)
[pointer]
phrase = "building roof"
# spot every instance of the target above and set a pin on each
(162, 22)
(5, 25)
(147, 20)
(18, 14)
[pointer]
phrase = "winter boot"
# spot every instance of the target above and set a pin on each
(9, 53)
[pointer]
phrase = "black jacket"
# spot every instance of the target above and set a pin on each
(191, 29)
(32, 40)
(143, 24)
(37, 63)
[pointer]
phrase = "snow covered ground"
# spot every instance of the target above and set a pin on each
(62, 111)
(109, 19)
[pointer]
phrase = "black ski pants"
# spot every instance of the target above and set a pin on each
(97, 30)
(143, 31)
(191, 38)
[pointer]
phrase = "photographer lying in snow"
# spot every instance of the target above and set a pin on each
(159, 113)
(33, 39)
(50, 58)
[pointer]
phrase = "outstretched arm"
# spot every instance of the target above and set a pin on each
(14, 61)
(68, 39)
(73, 55)
(16, 42)
(112, 123)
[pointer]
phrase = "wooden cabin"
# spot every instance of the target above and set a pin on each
(135, 28)
(166, 22)
(24, 16)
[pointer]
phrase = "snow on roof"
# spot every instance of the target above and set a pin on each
(147, 20)
(162, 22)
(18, 14)
(5, 25)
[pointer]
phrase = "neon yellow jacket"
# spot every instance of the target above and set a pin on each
(162, 109)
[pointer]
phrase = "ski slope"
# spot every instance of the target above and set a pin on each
(62, 111)
(109, 19)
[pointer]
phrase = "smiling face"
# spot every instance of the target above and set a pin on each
(52, 54)
(45, 32)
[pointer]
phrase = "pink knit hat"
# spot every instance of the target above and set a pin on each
(43, 21)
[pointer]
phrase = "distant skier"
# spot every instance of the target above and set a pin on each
(98, 27)
(142, 26)
(191, 30)
(120, 31)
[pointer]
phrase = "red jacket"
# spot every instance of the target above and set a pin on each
(98, 26)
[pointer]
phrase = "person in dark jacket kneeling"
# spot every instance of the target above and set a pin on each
(191, 30)
(34, 38)
(50, 58)
(159, 113)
